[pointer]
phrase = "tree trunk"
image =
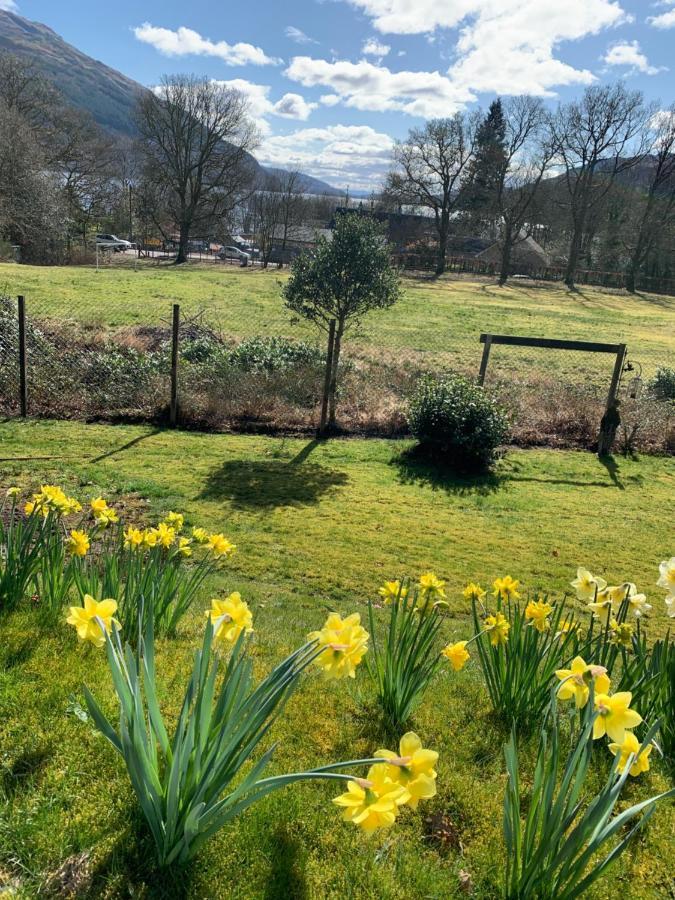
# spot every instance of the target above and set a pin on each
(332, 399)
(506, 257)
(442, 249)
(183, 243)
(573, 260)
(630, 278)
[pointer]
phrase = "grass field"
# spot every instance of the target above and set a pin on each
(437, 319)
(318, 527)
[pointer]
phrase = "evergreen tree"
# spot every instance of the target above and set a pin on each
(486, 170)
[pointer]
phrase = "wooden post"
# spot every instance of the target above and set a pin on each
(484, 360)
(327, 380)
(616, 375)
(173, 413)
(23, 368)
(612, 418)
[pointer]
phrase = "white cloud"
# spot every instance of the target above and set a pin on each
(666, 19)
(297, 35)
(260, 107)
(628, 53)
(366, 86)
(506, 46)
(354, 155)
(186, 42)
(9, 5)
(373, 47)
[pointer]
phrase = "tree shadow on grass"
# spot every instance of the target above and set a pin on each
(415, 466)
(266, 484)
(25, 770)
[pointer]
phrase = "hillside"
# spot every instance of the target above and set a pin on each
(90, 85)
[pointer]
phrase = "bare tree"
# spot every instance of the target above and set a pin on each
(657, 211)
(597, 138)
(528, 151)
(266, 207)
(431, 162)
(292, 203)
(196, 138)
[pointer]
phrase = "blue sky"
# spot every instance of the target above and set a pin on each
(332, 83)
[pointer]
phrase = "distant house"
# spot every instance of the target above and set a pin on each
(526, 254)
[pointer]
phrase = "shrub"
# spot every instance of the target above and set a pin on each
(457, 420)
(274, 354)
(662, 386)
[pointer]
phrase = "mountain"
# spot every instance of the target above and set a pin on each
(90, 85)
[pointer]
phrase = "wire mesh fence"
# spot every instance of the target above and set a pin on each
(110, 357)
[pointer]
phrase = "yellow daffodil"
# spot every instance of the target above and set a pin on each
(431, 587)
(29, 507)
(230, 617)
(566, 627)
(13, 492)
(51, 498)
(475, 592)
(457, 654)
(630, 746)
(175, 520)
(618, 593)
(506, 588)
(372, 802)
(497, 627)
(87, 618)
(98, 506)
(219, 545)
(638, 605)
(133, 538)
(537, 614)
(345, 643)
(412, 768)
(392, 590)
(150, 538)
(78, 543)
(165, 535)
(667, 577)
(577, 679)
(200, 535)
(184, 547)
(614, 716)
(622, 634)
(602, 609)
(586, 585)
(670, 606)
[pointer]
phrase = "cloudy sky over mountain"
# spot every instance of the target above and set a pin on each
(332, 83)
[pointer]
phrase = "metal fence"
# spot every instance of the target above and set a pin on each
(111, 360)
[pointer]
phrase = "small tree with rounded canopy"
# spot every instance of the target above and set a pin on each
(343, 279)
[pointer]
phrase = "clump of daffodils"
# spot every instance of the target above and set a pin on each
(51, 498)
(614, 717)
(404, 779)
(604, 600)
(342, 643)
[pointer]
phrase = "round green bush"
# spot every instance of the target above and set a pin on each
(456, 420)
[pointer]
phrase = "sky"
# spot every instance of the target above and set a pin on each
(333, 83)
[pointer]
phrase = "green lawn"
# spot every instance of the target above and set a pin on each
(318, 527)
(441, 320)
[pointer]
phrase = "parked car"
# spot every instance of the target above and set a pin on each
(235, 253)
(112, 242)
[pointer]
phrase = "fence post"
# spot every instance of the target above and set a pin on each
(484, 360)
(23, 370)
(611, 419)
(173, 413)
(327, 380)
